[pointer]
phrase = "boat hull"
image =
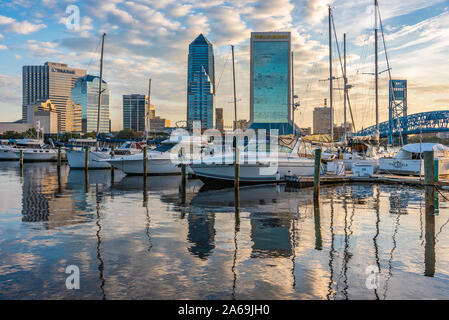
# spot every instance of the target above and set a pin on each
(8, 154)
(155, 166)
(76, 159)
(38, 155)
(251, 174)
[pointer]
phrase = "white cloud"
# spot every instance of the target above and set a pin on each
(21, 27)
(3, 47)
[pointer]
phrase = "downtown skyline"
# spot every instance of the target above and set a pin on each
(135, 51)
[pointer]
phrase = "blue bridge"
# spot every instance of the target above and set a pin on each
(425, 122)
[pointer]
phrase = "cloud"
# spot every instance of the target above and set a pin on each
(3, 47)
(21, 27)
(316, 10)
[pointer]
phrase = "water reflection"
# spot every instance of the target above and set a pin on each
(142, 238)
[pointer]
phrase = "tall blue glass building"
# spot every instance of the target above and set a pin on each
(270, 82)
(201, 83)
(85, 93)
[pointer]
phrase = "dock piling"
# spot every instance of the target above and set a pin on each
(86, 159)
(59, 158)
(237, 173)
(145, 158)
(429, 181)
(112, 167)
(316, 179)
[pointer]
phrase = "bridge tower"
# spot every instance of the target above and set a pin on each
(397, 108)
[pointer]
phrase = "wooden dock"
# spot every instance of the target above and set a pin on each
(305, 182)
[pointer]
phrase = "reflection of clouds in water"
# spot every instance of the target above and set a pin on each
(192, 256)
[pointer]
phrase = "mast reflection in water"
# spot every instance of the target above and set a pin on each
(135, 241)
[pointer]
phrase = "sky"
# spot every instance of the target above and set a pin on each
(149, 39)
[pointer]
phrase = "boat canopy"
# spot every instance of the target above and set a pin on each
(415, 150)
(422, 147)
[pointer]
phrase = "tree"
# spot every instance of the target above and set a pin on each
(127, 134)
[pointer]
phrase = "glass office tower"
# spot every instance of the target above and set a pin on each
(270, 96)
(85, 93)
(134, 111)
(201, 83)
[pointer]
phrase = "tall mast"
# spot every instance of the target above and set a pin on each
(235, 96)
(147, 125)
(345, 79)
(331, 78)
(100, 89)
(292, 109)
(376, 71)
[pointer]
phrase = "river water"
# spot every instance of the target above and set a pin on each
(132, 241)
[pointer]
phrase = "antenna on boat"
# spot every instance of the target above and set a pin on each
(376, 71)
(100, 90)
(147, 116)
(235, 97)
(331, 78)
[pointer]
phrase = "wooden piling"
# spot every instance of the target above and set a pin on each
(86, 158)
(183, 183)
(145, 158)
(429, 248)
(429, 182)
(59, 158)
(316, 178)
(21, 158)
(317, 220)
(237, 169)
(112, 167)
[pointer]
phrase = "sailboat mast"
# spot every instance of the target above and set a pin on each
(345, 80)
(376, 71)
(100, 89)
(331, 78)
(235, 96)
(148, 122)
(292, 109)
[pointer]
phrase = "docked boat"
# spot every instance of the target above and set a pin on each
(34, 150)
(255, 169)
(7, 150)
(159, 161)
(410, 159)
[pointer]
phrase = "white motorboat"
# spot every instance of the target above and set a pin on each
(159, 161)
(410, 159)
(7, 151)
(255, 167)
(34, 150)
(76, 157)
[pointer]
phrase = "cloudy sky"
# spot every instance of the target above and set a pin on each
(149, 39)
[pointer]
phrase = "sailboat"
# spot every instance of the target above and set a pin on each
(76, 156)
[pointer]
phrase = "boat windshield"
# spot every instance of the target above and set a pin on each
(126, 145)
(254, 147)
(164, 147)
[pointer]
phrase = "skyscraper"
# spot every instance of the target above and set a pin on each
(85, 93)
(219, 120)
(52, 81)
(201, 83)
(134, 111)
(270, 83)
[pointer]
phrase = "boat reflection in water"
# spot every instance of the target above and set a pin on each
(134, 238)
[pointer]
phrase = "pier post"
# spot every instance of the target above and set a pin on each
(429, 182)
(21, 158)
(59, 158)
(429, 248)
(316, 213)
(316, 178)
(112, 167)
(145, 158)
(86, 159)
(183, 183)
